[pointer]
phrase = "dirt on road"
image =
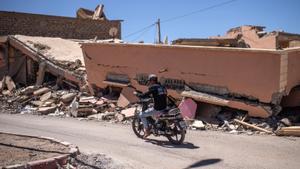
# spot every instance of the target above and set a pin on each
(15, 149)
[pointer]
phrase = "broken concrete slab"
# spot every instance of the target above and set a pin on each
(122, 101)
(28, 90)
(49, 103)
(10, 84)
(6, 92)
(198, 124)
(41, 73)
(87, 100)
(46, 110)
(289, 131)
(83, 112)
(87, 110)
(37, 103)
(100, 102)
(286, 122)
(127, 97)
(66, 98)
(112, 105)
(41, 91)
(46, 96)
(74, 108)
(130, 112)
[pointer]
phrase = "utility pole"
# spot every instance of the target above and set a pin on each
(158, 31)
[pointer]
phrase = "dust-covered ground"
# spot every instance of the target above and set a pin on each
(95, 161)
(21, 149)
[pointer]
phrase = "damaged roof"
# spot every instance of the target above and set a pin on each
(59, 49)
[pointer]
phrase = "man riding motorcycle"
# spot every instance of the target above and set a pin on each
(159, 95)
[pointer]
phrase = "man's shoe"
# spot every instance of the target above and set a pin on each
(147, 133)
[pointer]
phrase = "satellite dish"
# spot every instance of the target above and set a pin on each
(113, 32)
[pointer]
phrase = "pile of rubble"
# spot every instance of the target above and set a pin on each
(55, 101)
(52, 101)
(238, 122)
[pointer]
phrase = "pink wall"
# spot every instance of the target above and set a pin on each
(244, 71)
(293, 79)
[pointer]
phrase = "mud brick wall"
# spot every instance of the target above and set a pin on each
(12, 23)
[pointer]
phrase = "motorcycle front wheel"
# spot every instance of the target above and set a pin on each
(178, 134)
(137, 127)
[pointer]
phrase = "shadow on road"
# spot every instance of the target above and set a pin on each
(167, 144)
(203, 163)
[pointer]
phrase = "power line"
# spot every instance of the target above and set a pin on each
(198, 11)
(140, 30)
(145, 31)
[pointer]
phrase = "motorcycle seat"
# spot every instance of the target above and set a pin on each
(167, 115)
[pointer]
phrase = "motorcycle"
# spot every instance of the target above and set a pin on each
(168, 123)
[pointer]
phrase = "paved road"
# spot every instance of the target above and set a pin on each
(203, 149)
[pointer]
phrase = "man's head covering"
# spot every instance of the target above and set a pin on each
(152, 77)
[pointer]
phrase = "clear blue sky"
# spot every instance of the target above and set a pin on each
(274, 14)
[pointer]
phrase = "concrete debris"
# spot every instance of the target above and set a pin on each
(98, 14)
(6, 92)
(46, 110)
(57, 113)
(87, 100)
(74, 108)
(65, 102)
(236, 122)
(95, 116)
(46, 96)
(198, 124)
(286, 122)
(289, 131)
(252, 126)
(68, 97)
(7, 83)
(28, 90)
(126, 97)
(37, 103)
(28, 110)
(108, 115)
(130, 112)
(120, 117)
(2, 84)
(10, 84)
(41, 91)
(227, 126)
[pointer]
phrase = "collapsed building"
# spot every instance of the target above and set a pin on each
(217, 70)
(247, 36)
(259, 81)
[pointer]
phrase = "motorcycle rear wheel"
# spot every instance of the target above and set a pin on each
(137, 127)
(178, 135)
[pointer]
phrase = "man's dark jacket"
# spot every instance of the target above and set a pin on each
(159, 94)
